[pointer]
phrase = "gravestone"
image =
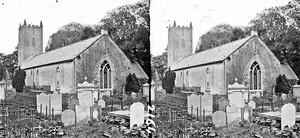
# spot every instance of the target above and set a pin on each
(56, 102)
(82, 111)
(252, 104)
(232, 113)
(237, 94)
(223, 102)
(44, 101)
(136, 114)
(219, 118)
(96, 112)
(288, 115)
(194, 100)
(236, 99)
(68, 117)
(101, 102)
(207, 103)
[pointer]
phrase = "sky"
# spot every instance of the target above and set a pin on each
(53, 14)
(204, 14)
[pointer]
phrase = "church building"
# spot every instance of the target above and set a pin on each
(98, 59)
(247, 59)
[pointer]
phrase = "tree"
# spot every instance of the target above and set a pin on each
(132, 84)
(282, 85)
(278, 27)
(10, 61)
(219, 35)
(19, 80)
(160, 64)
(168, 81)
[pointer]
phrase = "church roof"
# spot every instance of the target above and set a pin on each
(289, 73)
(138, 71)
(60, 54)
(212, 55)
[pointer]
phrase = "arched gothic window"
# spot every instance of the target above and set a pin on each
(255, 77)
(105, 76)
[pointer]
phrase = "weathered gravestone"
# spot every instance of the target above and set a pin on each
(288, 115)
(101, 102)
(82, 112)
(136, 114)
(56, 102)
(252, 104)
(207, 103)
(85, 98)
(219, 118)
(68, 117)
(96, 112)
(232, 113)
(194, 101)
(246, 113)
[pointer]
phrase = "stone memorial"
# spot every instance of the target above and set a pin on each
(85, 98)
(2, 90)
(56, 102)
(194, 100)
(82, 111)
(232, 113)
(207, 103)
(68, 117)
(219, 118)
(288, 115)
(136, 114)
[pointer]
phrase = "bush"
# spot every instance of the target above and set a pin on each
(282, 85)
(132, 84)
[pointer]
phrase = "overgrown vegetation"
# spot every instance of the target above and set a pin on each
(282, 85)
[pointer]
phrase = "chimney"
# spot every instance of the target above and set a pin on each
(103, 31)
(254, 33)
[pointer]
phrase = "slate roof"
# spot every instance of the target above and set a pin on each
(211, 55)
(138, 71)
(289, 73)
(60, 54)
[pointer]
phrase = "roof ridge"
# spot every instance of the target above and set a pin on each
(248, 37)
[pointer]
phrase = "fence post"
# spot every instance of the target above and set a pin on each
(46, 112)
(204, 115)
(192, 110)
(242, 114)
(52, 114)
(41, 109)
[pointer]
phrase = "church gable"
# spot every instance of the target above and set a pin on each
(253, 64)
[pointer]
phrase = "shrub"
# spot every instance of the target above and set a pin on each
(282, 85)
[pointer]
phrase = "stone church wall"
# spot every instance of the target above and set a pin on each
(199, 76)
(48, 75)
(90, 61)
(239, 63)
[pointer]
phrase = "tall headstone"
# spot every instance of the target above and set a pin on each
(137, 114)
(219, 118)
(207, 103)
(252, 104)
(85, 98)
(288, 115)
(56, 102)
(101, 102)
(237, 94)
(232, 113)
(193, 101)
(68, 117)
(96, 112)
(44, 101)
(82, 111)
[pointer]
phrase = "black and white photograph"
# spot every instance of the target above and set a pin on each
(149, 69)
